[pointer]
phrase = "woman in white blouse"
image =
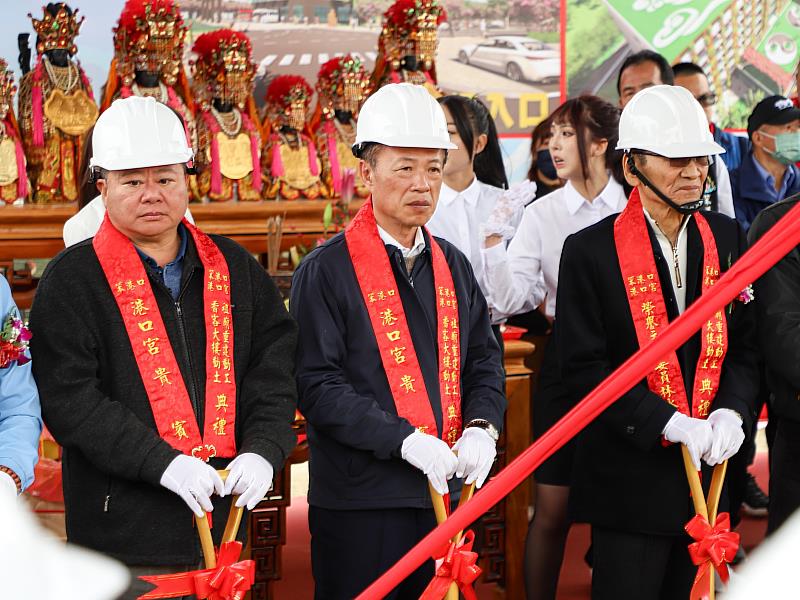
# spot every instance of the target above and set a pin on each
(524, 277)
(474, 178)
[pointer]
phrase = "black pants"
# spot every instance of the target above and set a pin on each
(351, 548)
(784, 475)
(634, 566)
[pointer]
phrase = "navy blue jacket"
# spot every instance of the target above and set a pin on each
(354, 431)
(736, 147)
(749, 194)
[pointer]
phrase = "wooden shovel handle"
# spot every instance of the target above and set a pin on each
(231, 528)
(441, 516)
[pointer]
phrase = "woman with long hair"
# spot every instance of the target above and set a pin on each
(542, 170)
(525, 276)
(474, 179)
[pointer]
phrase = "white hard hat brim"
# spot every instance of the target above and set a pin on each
(678, 150)
(412, 141)
(142, 162)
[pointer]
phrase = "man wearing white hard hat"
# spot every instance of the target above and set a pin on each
(622, 282)
(162, 355)
(397, 364)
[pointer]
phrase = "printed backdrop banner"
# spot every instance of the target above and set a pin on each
(748, 48)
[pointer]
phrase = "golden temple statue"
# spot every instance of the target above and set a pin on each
(289, 159)
(342, 86)
(57, 108)
(228, 155)
(407, 44)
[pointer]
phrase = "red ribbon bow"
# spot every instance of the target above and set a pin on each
(715, 546)
(459, 565)
(229, 580)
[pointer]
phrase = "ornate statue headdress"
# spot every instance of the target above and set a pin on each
(10, 126)
(342, 84)
(57, 32)
(410, 27)
(223, 68)
(288, 98)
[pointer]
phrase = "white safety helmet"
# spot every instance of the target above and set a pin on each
(402, 115)
(666, 120)
(135, 132)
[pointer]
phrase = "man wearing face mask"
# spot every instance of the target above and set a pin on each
(622, 281)
(768, 173)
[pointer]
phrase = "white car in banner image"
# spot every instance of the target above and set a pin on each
(516, 56)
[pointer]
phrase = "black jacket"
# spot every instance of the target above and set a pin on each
(624, 479)
(354, 431)
(94, 402)
(777, 302)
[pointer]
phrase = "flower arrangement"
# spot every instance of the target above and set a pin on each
(14, 339)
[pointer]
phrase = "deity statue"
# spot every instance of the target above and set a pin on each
(148, 54)
(228, 154)
(289, 159)
(56, 106)
(14, 183)
(407, 44)
(342, 86)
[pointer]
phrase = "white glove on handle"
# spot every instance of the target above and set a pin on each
(476, 454)
(695, 434)
(432, 456)
(8, 487)
(726, 427)
(194, 481)
(250, 478)
(507, 212)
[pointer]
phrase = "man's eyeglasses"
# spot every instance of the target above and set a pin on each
(709, 99)
(679, 163)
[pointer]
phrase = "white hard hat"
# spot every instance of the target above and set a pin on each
(666, 120)
(403, 115)
(135, 132)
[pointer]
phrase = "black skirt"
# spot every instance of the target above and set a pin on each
(551, 402)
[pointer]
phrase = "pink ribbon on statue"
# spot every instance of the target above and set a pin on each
(229, 580)
(216, 174)
(37, 109)
(254, 152)
(333, 156)
(459, 566)
(713, 546)
(276, 167)
(313, 163)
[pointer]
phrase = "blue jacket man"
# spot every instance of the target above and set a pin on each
(768, 174)
(20, 414)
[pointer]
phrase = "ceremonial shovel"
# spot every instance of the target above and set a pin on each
(441, 516)
(228, 581)
(706, 509)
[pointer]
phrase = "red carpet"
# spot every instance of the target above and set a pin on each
(297, 583)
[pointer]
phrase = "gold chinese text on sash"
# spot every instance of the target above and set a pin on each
(648, 309)
(399, 358)
(74, 114)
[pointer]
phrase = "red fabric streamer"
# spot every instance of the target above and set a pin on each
(229, 580)
(459, 566)
(255, 155)
(333, 156)
(773, 246)
(38, 105)
(713, 546)
(313, 164)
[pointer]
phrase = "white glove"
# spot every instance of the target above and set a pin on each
(476, 453)
(250, 478)
(507, 212)
(695, 434)
(432, 456)
(194, 481)
(8, 487)
(726, 427)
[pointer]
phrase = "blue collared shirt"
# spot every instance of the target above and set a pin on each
(171, 273)
(20, 412)
(753, 188)
(768, 181)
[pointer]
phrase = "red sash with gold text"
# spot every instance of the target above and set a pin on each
(379, 290)
(649, 311)
(166, 390)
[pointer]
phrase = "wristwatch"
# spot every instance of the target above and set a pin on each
(486, 426)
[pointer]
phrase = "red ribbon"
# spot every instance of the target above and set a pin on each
(459, 566)
(715, 546)
(230, 580)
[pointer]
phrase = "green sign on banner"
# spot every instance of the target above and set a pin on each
(780, 43)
